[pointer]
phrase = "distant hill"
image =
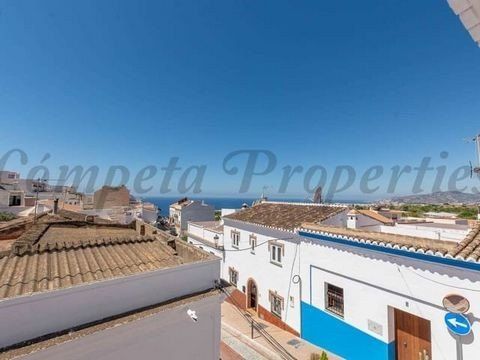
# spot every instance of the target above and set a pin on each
(443, 197)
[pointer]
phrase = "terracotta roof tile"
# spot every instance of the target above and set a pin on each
(286, 216)
(42, 269)
(469, 248)
(417, 243)
(376, 216)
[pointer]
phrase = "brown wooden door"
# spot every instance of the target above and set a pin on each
(412, 337)
(253, 294)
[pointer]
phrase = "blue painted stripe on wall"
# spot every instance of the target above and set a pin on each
(400, 252)
(338, 337)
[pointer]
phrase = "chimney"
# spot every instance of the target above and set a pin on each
(55, 206)
(352, 219)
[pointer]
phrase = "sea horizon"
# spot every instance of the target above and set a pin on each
(163, 202)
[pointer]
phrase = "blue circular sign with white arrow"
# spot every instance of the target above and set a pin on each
(458, 324)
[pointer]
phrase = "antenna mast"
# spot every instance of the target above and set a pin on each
(476, 169)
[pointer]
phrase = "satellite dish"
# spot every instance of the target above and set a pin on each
(456, 303)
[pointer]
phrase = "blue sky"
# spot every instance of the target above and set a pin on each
(367, 83)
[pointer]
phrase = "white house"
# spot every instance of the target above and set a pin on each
(381, 294)
(186, 210)
(208, 236)
(425, 228)
(261, 256)
(9, 177)
(11, 197)
(356, 291)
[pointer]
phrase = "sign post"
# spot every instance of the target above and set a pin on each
(456, 321)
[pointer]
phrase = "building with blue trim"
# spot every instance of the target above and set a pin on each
(390, 293)
(353, 282)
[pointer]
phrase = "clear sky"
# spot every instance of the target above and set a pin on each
(327, 83)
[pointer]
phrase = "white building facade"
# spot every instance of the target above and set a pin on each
(208, 236)
(355, 294)
(378, 287)
(261, 259)
(185, 210)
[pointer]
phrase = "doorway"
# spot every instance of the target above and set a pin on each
(412, 337)
(252, 298)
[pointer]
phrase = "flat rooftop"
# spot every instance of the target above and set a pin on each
(215, 226)
(439, 225)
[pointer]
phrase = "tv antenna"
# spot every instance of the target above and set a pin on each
(476, 169)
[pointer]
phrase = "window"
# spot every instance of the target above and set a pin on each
(253, 243)
(235, 238)
(276, 303)
(233, 276)
(276, 253)
(334, 299)
(14, 200)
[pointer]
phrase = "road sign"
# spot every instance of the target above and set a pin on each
(456, 303)
(458, 324)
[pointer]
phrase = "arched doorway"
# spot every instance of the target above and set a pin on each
(252, 298)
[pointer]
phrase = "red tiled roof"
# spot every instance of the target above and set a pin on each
(286, 216)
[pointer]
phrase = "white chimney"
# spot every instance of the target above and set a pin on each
(352, 219)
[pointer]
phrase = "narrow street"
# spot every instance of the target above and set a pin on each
(236, 333)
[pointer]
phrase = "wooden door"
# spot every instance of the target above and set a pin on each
(253, 294)
(412, 337)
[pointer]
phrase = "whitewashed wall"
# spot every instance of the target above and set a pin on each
(375, 283)
(27, 317)
(257, 266)
(200, 232)
(359, 221)
(196, 211)
(168, 334)
(207, 234)
(426, 232)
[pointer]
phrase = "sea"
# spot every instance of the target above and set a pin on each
(163, 203)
